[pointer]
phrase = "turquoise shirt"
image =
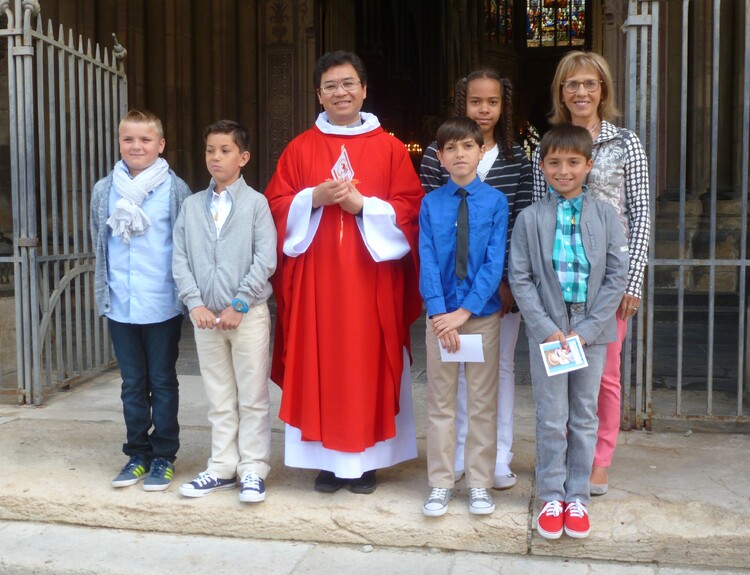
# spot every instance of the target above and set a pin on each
(568, 256)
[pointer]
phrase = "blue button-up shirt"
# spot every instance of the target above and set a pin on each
(441, 289)
(568, 256)
(141, 288)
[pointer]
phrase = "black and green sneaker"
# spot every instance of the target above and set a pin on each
(161, 475)
(134, 470)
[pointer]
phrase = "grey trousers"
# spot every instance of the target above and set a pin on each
(566, 424)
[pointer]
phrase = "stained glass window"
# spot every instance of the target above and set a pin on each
(555, 23)
(498, 20)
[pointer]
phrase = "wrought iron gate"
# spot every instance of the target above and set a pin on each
(691, 348)
(65, 101)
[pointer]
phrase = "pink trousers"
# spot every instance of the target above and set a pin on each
(609, 400)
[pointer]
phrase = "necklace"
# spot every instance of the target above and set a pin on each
(593, 128)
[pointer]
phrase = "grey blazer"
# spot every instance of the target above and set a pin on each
(534, 282)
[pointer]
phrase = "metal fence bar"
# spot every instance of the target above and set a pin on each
(41, 98)
(683, 195)
(715, 51)
(742, 376)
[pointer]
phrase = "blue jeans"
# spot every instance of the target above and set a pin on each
(566, 424)
(150, 395)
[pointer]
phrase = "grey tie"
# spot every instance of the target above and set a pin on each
(462, 235)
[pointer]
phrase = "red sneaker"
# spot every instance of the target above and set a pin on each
(549, 524)
(577, 520)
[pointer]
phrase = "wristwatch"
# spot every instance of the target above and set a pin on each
(240, 305)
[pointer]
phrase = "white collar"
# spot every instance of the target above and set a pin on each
(369, 123)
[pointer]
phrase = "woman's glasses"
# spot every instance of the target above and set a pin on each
(571, 86)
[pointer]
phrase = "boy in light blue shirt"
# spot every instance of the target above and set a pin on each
(133, 211)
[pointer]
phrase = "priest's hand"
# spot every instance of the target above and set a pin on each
(352, 201)
(203, 318)
(329, 192)
(229, 318)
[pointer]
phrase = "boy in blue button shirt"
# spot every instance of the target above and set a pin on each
(459, 284)
(568, 268)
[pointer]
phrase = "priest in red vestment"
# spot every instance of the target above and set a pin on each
(345, 199)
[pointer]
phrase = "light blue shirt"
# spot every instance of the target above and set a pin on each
(141, 288)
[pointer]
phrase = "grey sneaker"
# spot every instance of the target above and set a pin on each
(436, 503)
(481, 502)
(161, 475)
(135, 469)
(253, 489)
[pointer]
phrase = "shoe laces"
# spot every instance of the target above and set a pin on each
(552, 509)
(438, 494)
(159, 466)
(479, 493)
(576, 509)
(204, 478)
(132, 464)
(251, 480)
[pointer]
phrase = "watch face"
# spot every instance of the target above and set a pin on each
(237, 306)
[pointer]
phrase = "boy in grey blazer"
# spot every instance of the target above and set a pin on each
(568, 268)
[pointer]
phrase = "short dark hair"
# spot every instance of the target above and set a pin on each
(338, 58)
(238, 132)
(458, 128)
(569, 138)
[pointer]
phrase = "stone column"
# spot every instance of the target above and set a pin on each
(287, 55)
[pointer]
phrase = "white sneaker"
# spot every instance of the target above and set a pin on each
(436, 503)
(505, 481)
(481, 502)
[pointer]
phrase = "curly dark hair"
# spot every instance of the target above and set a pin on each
(503, 131)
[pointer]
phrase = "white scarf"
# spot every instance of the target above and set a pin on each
(128, 219)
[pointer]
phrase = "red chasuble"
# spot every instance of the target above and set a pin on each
(343, 319)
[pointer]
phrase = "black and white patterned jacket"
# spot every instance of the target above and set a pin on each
(620, 178)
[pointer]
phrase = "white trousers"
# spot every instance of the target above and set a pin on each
(509, 327)
(235, 366)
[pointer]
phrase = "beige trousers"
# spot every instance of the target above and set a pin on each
(235, 366)
(442, 383)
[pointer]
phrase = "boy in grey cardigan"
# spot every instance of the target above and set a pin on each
(224, 253)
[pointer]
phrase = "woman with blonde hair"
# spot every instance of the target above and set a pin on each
(582, 94)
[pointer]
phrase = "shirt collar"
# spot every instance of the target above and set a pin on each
(231, 188)
(576, 202)
(471, 188)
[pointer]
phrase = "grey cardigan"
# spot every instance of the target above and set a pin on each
(534, 282)
(100, 233)
(213, 271)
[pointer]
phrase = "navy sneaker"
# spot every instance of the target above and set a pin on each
(206, 483)
(135, 469)
(161, 475)
(253, 488)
